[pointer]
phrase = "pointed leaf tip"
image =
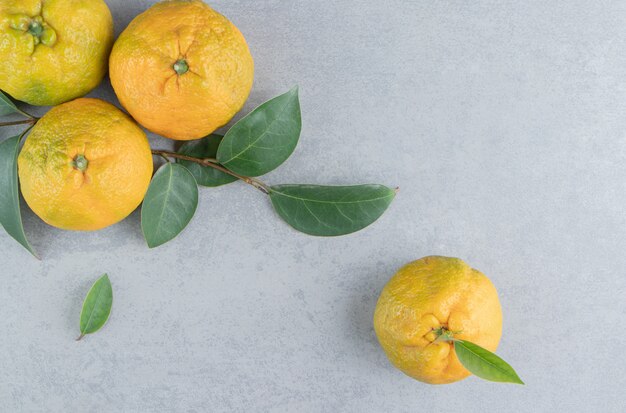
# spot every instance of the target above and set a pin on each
(485, 364)
(7, 106)
(10, 214)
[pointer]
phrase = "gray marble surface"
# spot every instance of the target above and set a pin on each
(504, 125)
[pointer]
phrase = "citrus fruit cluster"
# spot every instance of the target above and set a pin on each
(180, 68)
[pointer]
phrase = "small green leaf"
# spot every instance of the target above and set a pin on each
(263, 139)
(96, 307)
(10, 215)
(204, 148)
(330, 210)
(169, 205)
(484, 364)
(7, 106)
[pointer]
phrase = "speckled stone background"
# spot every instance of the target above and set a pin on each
(504, 125)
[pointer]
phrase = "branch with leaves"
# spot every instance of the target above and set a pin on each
(255, 145)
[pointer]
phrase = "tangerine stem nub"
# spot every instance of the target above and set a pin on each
(443, 334)
(80, 163)
(181, 67)
(35, 28)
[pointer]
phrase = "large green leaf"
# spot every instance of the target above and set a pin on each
(96, 307)
(169, 205)
(263, 139)
(10, 215)
(484, 364)
(330, 210)
(204, 148)
(7, 106)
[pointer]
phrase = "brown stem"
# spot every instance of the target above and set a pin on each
(212, 163)
(80, 337)
(19, 122)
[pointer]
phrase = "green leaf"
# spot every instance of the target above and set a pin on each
(330, 210)
(169, 204)
(7, 106)
(96, 307)
(10, 215)
(204, 148)
(484, 364)
(263, 139)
